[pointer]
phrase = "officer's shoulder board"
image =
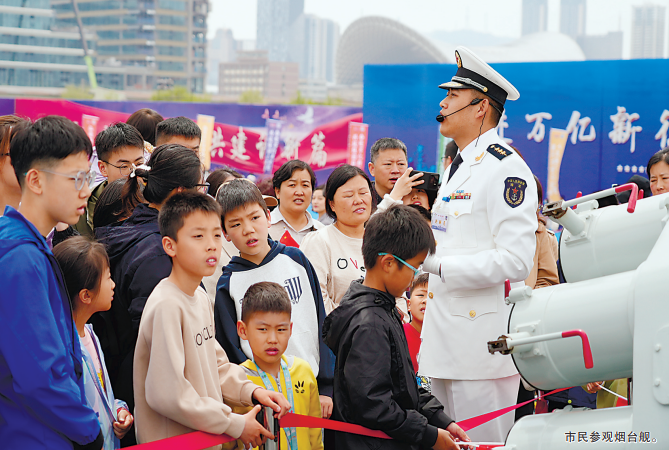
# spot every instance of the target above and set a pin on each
(498, 151)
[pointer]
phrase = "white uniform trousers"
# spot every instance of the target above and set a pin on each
(464, 399)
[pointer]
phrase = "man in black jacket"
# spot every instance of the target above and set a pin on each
(375, 385)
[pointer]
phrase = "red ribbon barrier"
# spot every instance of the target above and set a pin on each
(474, 422)
(198, 440)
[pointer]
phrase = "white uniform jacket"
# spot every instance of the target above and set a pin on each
(488, 211)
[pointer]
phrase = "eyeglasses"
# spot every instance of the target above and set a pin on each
(416, 272)
(125, 169)
(202, 187)
(80, 179)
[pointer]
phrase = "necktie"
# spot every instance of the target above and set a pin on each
(454, 166)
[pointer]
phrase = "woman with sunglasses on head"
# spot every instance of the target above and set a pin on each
(336, 250)
(137, 259)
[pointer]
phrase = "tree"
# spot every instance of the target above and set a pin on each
(74, 92)
(179, 94)
(251, 96)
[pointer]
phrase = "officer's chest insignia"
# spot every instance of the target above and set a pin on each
(499, 151)
(460, 195)
(479, 157)
(514, 191)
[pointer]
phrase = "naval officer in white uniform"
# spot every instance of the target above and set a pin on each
(484, 221)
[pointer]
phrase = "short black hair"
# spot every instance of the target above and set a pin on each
(386, 144)
(288, 168)
(320, 188)
(220, 176)
(427, 215)
(177, 126)
(109, 207)
(146, 120)
(421, 280)
(337, 179)
(496, 109)
(451, 150)
(265, 296)
(662, 155)
(116, 136)
(400, 231)
(181, 205)
(46, 141)
(237, 193)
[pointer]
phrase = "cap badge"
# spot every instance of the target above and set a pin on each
(457, 59)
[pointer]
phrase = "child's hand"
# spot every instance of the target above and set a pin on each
(405, 183)
(444, 441)
(123, 424)
(326, 406)
(457, 433)
(274, 400)
(254, 434)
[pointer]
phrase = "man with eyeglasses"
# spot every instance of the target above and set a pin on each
(43, 402)
(119, 147)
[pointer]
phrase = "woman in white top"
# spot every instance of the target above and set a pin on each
(336, 250)
(293, 184)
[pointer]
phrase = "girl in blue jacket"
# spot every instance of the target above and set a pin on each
(85, 266)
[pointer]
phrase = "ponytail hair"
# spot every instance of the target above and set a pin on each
(171, 166)
(83, 263)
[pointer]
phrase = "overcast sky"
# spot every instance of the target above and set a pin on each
(502, 18)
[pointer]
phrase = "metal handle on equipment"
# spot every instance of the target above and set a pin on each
(631, 204)
(505, 344)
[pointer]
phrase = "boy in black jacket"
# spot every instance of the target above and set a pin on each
(375, 384)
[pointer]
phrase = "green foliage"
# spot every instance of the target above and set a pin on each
(179, 94)
(251, 96)
(74, 92)
(301, 100)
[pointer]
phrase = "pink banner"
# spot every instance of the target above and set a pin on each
(325, 146)
(93, 120)
(244, 148)
(357, 143)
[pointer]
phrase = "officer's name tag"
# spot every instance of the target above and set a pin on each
(439, 221)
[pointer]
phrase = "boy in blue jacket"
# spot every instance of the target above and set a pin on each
(42, 399)
(246, 224)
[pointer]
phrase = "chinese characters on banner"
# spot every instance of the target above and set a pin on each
(271, 143)
(357, 143)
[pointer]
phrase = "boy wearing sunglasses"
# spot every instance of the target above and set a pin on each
(41, 384)
(375, 383)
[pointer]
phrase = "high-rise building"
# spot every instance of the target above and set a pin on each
(274, 23)
(572, 17)
(535, 16)
(33, 53)
(155, 42)
(648, 23)
(276, 81)
(313, 46)
(222, 48)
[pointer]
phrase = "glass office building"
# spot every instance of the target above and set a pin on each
(135, 44)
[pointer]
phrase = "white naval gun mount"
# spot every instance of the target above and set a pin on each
(615, 261)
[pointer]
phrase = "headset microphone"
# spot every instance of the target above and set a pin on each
(475, 101)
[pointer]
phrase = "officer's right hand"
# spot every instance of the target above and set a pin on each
(405, 183)
(444, 441)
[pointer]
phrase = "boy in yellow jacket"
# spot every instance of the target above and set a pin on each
(267, 326)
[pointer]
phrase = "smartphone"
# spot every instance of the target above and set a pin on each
(266, 418)
(430, 181)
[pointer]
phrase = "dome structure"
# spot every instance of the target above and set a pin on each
(537, 47)
(379, 40)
